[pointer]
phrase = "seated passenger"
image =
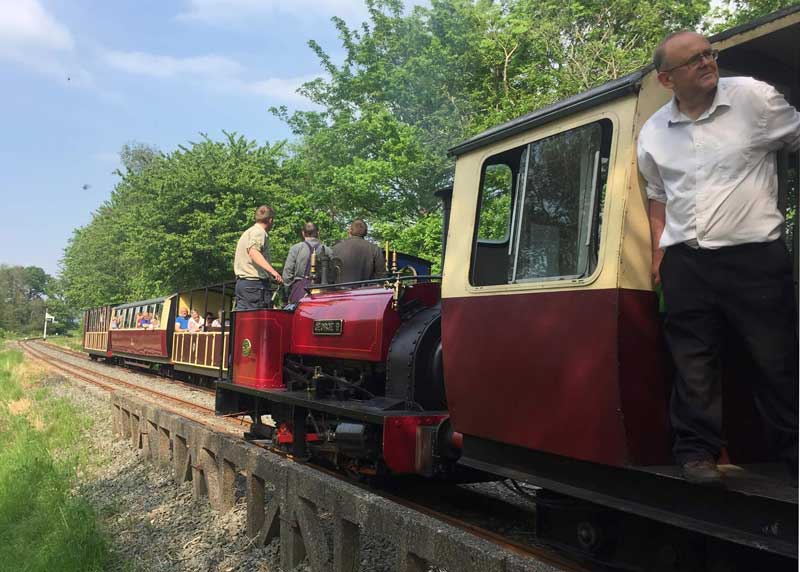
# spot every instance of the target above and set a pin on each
(114, 323)
(145, 321)
(209, 321)
(182, 320)
(138, 320)
(154, 323)
(195, 322)
(217, 323)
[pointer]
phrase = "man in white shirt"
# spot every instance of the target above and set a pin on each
(708, 158)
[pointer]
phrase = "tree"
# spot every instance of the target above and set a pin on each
(174, 223)
(136, 157)
(22, 299)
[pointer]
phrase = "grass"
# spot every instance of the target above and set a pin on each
(43, 525)
(70, 341)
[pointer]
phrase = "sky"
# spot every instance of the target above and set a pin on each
(80, 78)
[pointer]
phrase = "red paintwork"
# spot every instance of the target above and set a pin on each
(269, 333)
(571, 373)
(144, 343)
(286, 437)
(645, 378)
(400, 440)
(428, 293)
(369, 323)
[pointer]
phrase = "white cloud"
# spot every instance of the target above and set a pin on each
(26, 24)
(217, 73)
(277, 87)
(168, 66)
(34, 39)
(228, 12)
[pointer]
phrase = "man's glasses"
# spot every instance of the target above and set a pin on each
(696, 60)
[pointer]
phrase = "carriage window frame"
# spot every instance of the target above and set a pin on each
(601, 172)
(512, 191)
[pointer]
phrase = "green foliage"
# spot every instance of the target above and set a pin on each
(413, 84)
(43, 526)
(24, 294)
(729, 13)
(174, 223)
(410, 85)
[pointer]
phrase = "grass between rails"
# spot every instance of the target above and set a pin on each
(43, 526)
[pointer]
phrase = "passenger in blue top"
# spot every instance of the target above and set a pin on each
(145, 321)
(182, 320)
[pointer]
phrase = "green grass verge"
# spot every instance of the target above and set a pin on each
(71, 341)
(43, 525)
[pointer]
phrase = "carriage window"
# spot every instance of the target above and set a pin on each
(554, 212)
(495, 218)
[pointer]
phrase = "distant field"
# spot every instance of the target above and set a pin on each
(44, 526)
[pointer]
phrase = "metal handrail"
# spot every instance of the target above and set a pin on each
(390, 279)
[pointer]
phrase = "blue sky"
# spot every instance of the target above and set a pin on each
(80, 78)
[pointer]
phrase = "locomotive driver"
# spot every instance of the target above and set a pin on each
(708, 157)
(252, 266)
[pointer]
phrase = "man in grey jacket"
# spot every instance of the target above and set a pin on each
(298, 262)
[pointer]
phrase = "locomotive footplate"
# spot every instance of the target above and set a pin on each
(755, 509)
(374, 410)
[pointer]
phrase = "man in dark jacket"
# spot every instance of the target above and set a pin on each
(361, 260)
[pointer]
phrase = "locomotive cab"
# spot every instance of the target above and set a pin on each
(555, 369)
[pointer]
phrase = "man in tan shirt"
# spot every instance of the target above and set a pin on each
(252, 266)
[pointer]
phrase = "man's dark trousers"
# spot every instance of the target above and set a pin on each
(747, 290)
(253, 294)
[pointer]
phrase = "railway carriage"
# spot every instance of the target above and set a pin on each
(199, 356)
(139, 346)
(96, 323)
(554, 366)
(202, 354)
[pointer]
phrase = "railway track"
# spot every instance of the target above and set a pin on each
(109, 383)
(409, 497)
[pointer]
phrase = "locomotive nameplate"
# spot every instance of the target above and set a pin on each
(328, 327)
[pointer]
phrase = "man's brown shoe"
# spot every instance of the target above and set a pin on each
(702, 472)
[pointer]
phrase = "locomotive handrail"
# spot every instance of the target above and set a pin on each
(391, 279)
